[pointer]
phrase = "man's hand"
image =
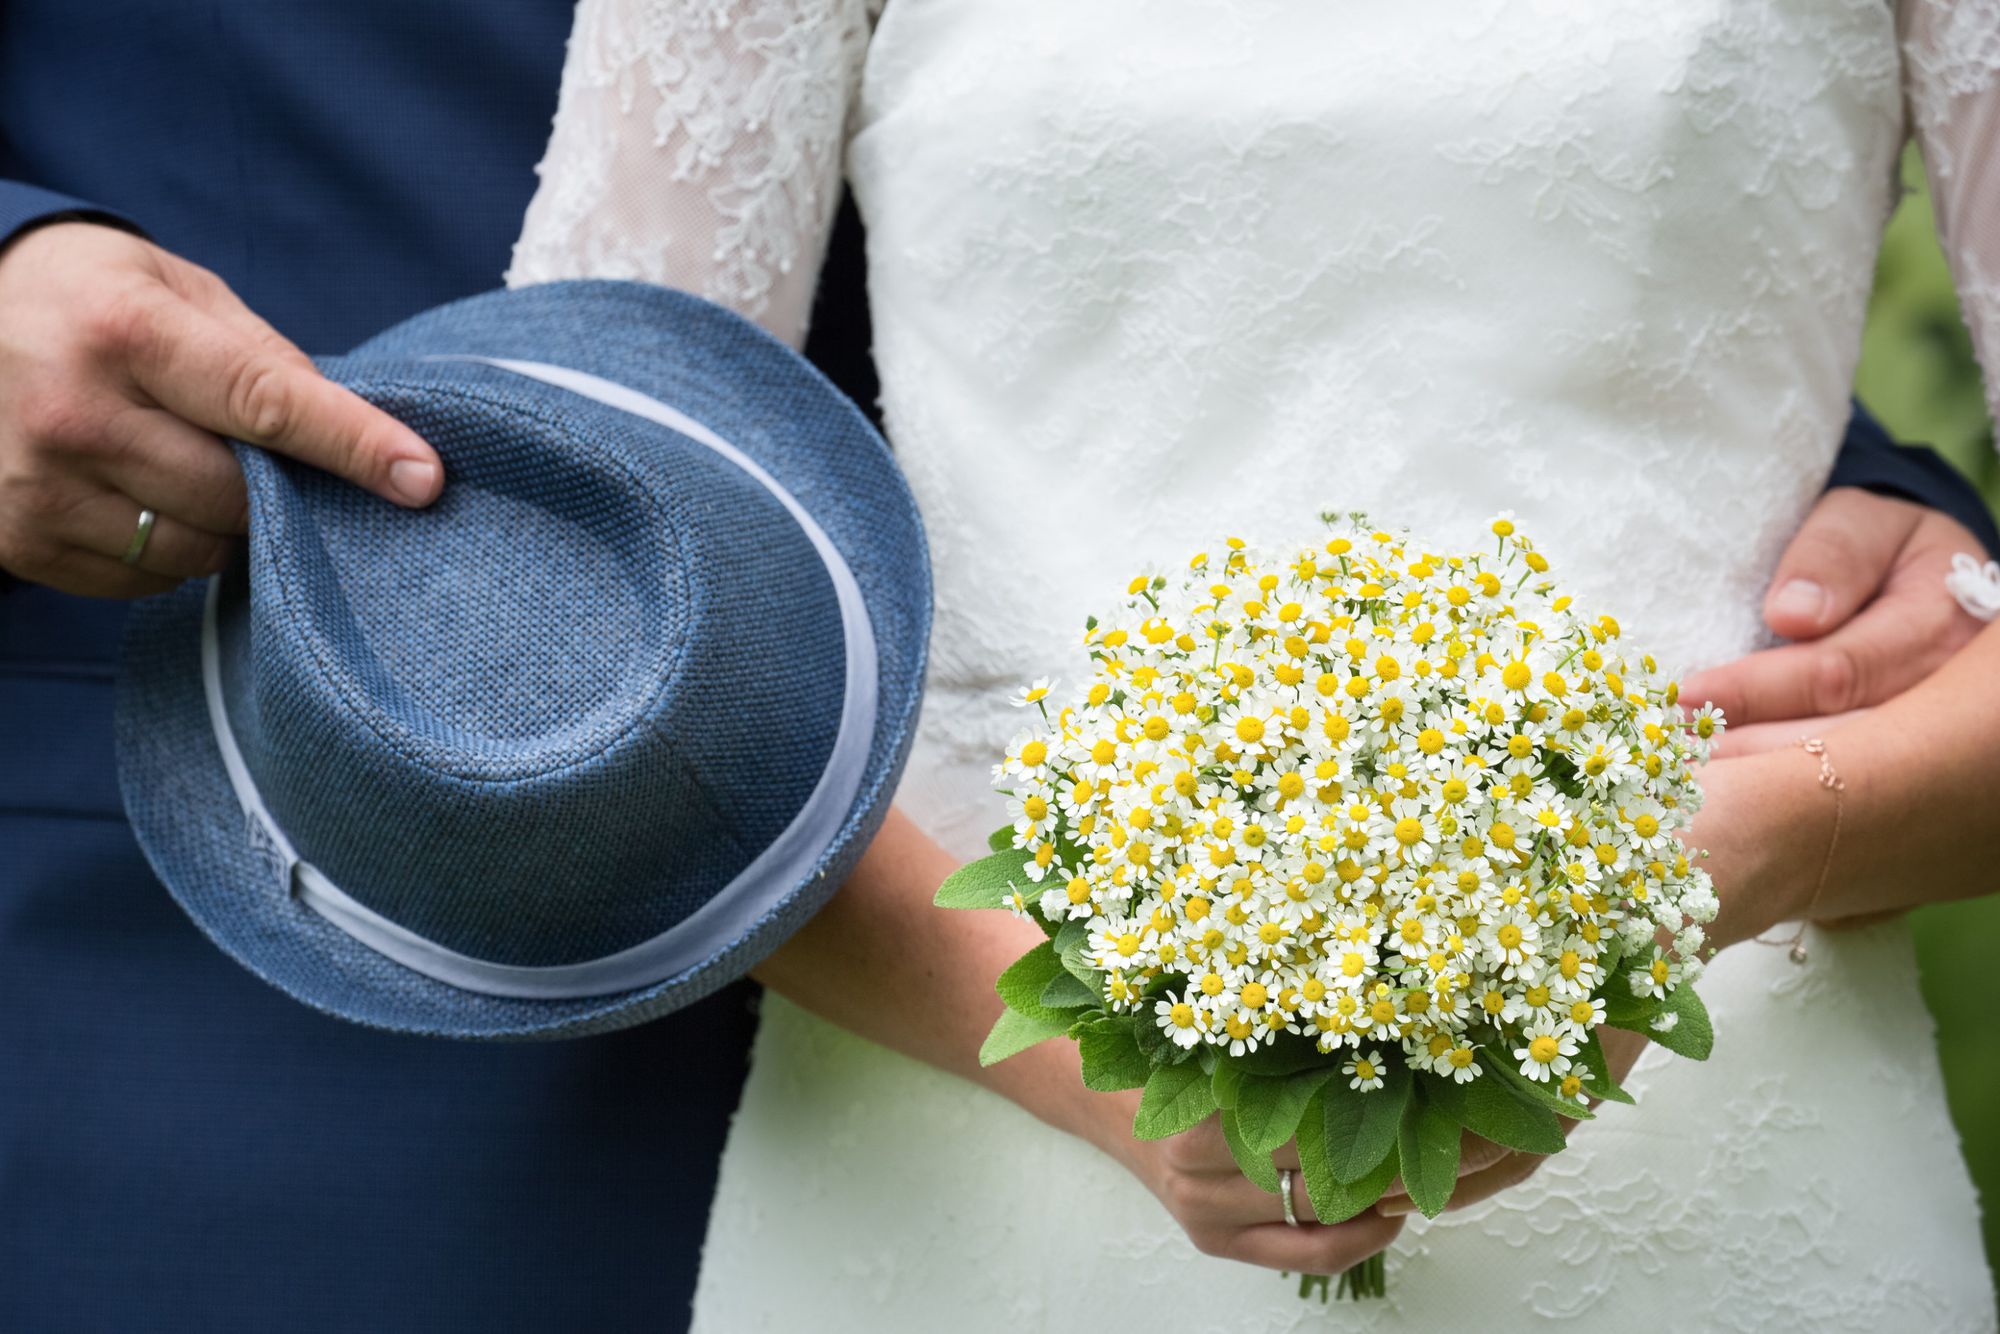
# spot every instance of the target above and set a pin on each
(1860, 592)
(120, 366)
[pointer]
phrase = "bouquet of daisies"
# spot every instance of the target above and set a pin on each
(1359, 845)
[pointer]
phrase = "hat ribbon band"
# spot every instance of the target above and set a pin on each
(729, 915)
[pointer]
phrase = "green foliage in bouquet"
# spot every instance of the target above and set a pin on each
(1359, 849)
(1351, 1144)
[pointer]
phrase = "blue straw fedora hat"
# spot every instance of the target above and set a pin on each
(583, 741)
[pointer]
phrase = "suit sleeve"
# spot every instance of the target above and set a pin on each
(1873, 461)
(24, 206)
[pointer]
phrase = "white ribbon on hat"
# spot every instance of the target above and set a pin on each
(725, 917)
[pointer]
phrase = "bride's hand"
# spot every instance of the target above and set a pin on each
(1225, 1214)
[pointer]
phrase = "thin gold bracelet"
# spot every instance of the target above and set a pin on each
(1833, 783)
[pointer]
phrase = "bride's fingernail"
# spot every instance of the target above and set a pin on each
(1802, 598)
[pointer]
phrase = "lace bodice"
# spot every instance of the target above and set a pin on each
(697, 143)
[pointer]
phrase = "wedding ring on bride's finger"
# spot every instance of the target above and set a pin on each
(1285, 1178)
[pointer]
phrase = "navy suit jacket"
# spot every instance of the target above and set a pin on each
(181, 1146)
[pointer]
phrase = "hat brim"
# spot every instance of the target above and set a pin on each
(700, 359)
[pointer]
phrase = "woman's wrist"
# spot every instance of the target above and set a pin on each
(1767, 826)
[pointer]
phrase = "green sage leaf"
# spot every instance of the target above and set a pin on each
(986, 883)
(1258, 1167)
(1176, 1098)
(1360, 1127)
(1269, 1110)
(1015, 1032)
(1428, 1146)
(1334, 1200)
(1489, 1108)
(1022, 985)
(1068, 991)
(1111, 1057)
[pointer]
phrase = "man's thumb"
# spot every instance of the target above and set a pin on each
(1836, 562)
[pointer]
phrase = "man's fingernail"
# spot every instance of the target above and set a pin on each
(1801, 598)
(413, 480)
(1395, 1208)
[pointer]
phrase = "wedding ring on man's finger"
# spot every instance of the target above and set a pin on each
(144, 534)
(1285, 1194)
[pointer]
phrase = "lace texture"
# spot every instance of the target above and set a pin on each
(1146, 274)
(697, 144)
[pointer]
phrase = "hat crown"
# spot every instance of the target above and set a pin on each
(561, 708)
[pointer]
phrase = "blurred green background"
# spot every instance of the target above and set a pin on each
(1918, 375)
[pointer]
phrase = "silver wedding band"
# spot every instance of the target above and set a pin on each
(1285, 1194)
(137, 546)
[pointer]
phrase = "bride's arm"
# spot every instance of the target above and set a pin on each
(697, 153)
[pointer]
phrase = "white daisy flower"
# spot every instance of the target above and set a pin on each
(1364, 1072)
(1548, 1051)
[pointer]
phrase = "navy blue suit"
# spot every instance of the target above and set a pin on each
(182, 1147)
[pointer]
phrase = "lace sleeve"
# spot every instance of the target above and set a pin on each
(1951, 71)
(697, 144)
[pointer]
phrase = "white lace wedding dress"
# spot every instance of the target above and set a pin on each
(1144, 274)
